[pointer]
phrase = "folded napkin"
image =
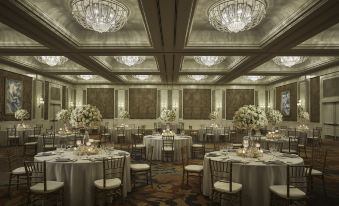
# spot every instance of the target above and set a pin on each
(289, 155)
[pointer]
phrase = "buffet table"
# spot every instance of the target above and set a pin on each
(80, 172)
(255, 174)
(156, 142)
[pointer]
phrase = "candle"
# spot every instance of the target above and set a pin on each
(257, 145)
(78, 142)
(88, 144)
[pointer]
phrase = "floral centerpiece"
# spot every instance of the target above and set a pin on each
(214, 117)
(86, 150)
(250, 117)
(167, 115)
(274, 117)
(64, 115)
(124, 114)
(85, 116)
(21, 114)
(303, 118)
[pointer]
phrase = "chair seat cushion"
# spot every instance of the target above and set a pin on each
(225, 187)
(301, 145)
(168, 148)
(52, 186)
(197, 145)
(19, 171)
(281, 191)
(140, 167)
(139, 146)
(49, 146)
(13, 137)
(237, 145)
(312, 137)
(31, 143)
(316, 172)
(194, 168)
(110, 183)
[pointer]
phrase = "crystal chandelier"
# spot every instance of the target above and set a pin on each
(197, 77)
(254, 78)
(86, 77)
(130, 60)
(289, 61)
(52, 60)
(141, 77)
(236, 15)
(100, 15)
(209, 60)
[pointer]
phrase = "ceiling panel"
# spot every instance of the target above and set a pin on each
(189, 64)
(153, 79)
(264, 80)
(184, 79)
(109, 62)
(75, 79)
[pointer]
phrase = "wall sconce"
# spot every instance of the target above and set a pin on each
(299, 103)
(41, 101)
(71, 104)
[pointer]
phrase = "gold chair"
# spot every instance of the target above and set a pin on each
(223, 186)
(121, 136)
(293, 142)
(275, 144)
(296, 187)
(143, 169)
(225, 136)
(209, 134)
(48, 142)
(38, 186)
(113, 178)
(315, 139)
(138, 147)
(190, 169)
(319, 158)
(13, 139)
(167, 150)
(31, 142)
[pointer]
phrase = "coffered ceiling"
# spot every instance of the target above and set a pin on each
(169, 33)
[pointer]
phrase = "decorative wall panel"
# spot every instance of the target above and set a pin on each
(116, 104)
(46, 106)
(180, 104)
(142, 103)
(103, 99)
(196, 103)
(330, 87)
(236, 98)
(293, 90)
(315, 99)
(26, 97)
(64, 97)
(223, 104)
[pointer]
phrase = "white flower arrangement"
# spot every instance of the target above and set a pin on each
(303, 116)
(21, 114)
(64, 115)
(85, 116)
(274, 117)
(215, 115)
(124, 114)
(167, 115)
(250, 117)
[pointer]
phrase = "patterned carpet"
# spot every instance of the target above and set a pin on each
(167, 188)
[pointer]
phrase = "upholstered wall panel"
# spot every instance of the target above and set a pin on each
(180, 104)
(315, 99)
(196, 103)
(223, 104)
(142, 103)
(103, 99)
(64, 97)
(46, 105)
(236, 98)
(293, 89)
(26, 93)
(330, 87)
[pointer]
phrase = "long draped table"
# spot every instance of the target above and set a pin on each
(79, 175)
(255, 175)
(156, 142)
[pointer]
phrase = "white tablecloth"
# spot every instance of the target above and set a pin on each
(179, 141)
(255, 176)
(79, 176)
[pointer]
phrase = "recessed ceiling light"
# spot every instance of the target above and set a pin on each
(197, 77)
(86, 77)
(236, 15)
(100, 15)
(141, 77)
(254, 77)
(130, 60)
(52, 60)
(209, 60)
(289, 61)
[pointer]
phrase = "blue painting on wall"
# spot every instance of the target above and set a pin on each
(13, 95)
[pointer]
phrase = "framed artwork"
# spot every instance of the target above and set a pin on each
(55, 94)
(285, 105)
(13, 95)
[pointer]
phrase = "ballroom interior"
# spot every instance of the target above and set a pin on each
(168, 102)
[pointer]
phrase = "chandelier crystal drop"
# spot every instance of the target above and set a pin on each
(209, 60)
(254, 78)
(130, 60)
(236, 15)
(52, 60)
(141, 77)
(196, 77)
(86, 77)
(100, 15)
(289, 61)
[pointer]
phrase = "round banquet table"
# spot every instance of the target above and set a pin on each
(156, 142)
(80, 173)
(255, 175)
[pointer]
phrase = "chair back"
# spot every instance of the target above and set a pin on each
(208, 130)
(48, 139)
(275, 144)
(121, 131)
(113, 168)
(14, 160)
(137, 138)
(292, 133)
(11, 131)
(298, 177)
(37, 131)
(316, 133)
(319, 158)
(221, 171)
(293, 143)
(36, 172)
(168, 142)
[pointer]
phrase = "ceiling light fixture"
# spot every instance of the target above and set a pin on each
(209, 60)
(254, 78)
(52, 60)
(197, 77)
(142, 77)
(86, 77)
(236, 15)
(289, 61)
(130, 60)
(100, 15)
